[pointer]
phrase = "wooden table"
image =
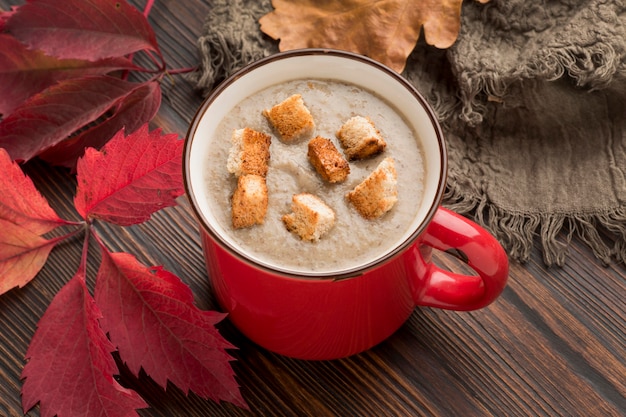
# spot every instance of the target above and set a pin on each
(552, 345)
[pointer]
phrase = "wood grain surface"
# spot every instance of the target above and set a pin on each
(552, 345)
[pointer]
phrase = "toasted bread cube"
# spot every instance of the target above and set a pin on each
(360, 138)
(327, 160)
(377, 193)
(249, 152)
(310, 219)
(249, 201)
(291, 119)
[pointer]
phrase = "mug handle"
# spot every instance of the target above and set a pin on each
(455, 234)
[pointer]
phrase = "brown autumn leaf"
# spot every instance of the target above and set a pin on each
(384, 30)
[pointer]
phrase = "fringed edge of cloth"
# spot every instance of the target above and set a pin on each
(592, 68)
(224, 49)
(591, 60)
(603, 232)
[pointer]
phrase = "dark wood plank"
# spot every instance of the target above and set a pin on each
(553, 344)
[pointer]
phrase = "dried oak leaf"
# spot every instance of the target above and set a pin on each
(384, 30)
(70, 370)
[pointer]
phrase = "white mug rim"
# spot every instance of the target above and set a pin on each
(216, 237)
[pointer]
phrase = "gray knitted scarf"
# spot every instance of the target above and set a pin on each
(532, 98)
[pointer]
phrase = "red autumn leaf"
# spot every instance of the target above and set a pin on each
(70, 368)
(151, 317)
(52, 115)
(25, 72)
(82, 29)
(21, 203)
(130, 178)
(136, 109)
(22, 255)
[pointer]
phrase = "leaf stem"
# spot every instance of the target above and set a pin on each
(82, 267)
(99, 241)
(160, 65)
(66, 222)
(148, 7)
(69, 235)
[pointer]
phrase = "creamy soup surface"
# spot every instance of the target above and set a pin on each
(353, 240)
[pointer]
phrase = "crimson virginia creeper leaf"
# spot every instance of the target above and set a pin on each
(25, 72)
(22, 255)
(54, 114)
(136, 109)
(130, 178)
(21, 203)
(151, 317)
(82, 29)
(70, 368)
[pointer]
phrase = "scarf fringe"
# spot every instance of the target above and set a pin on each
(593, 68)
(228, 44)
(517, 232)
(590, 67)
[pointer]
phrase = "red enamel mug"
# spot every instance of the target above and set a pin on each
(329, 315)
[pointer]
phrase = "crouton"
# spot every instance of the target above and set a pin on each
(360, 138)
(377, 193)
(327, 160)
(249, 152)
(249, 201)
(291, 119)
(311, 217)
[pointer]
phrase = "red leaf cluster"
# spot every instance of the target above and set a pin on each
(63, 70)
(148, 312)
(65, 98)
